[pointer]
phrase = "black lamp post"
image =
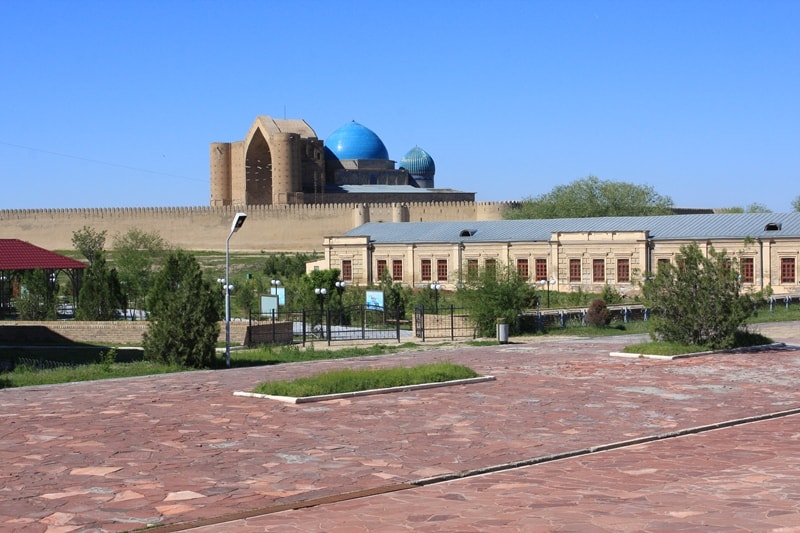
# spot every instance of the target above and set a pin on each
(340, 286)
(547, 282)
(321, 292)
(435, 287)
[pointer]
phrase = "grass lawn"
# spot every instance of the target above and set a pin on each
(349, 380)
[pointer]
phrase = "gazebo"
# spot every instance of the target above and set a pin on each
(18, 256)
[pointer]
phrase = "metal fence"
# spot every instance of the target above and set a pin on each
(349, 323)
(443, 322)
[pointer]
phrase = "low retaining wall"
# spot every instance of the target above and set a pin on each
(274, 333)
(115, 332)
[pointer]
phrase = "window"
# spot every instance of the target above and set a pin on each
(787, 270)
(598, 270)
(425, 270)
(623, 271)
(522, 268)
(541, 269)
(472, 268)
(347, 270)
(662, 262)
(441, 269)
(397, 270)
(490, 264)
(381, 268)
(574, 269)
(748, 270)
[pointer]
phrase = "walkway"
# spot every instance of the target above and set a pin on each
(181, 451)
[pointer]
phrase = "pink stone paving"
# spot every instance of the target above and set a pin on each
(182, 451)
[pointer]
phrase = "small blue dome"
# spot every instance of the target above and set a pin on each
(354, 141)
(418, 163)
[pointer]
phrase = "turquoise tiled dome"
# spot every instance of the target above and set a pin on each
(354, 141)
(418, 163)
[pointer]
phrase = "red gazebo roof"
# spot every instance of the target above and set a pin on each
(20, 255)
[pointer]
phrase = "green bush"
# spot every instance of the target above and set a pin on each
(597, 314)
(185, 311)
(698, 300)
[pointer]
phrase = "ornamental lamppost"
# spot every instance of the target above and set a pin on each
(436, 287)
(238, 220)
(340, 286)
(547, 282)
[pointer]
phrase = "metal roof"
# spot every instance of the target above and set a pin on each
(20, 255)
(665, 227)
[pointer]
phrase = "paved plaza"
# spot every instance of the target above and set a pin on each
(566, 438)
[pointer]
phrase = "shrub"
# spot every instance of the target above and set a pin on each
(184, 315)
(598, 314)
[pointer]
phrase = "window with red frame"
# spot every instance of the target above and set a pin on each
(425, 270)
(522, 268)
(397, 270)
(441, 269)
(347, 270)
(381, 268)
(574, 269)
(598, 270)
(748, 270)
(541, 269)
(623, 271)
(787, 270)
(472, 268)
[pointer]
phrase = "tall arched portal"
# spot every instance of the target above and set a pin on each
(258, 171)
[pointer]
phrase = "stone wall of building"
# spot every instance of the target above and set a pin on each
(268, 227)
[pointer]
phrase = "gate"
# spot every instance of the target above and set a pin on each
(443, 323)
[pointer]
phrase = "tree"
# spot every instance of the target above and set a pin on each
(137, 254)
(592, 197)
(697, 300)
(796, 204)
(101, 293)
(496, 292)
(185, 311)
(89, 242)
(755, 207)
(38, 298)
(597, 314)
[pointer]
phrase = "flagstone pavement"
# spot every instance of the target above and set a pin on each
(566, 438)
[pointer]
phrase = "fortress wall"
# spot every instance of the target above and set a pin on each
(295, 227)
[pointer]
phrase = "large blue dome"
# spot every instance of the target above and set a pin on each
(354, 141)
(418, 163)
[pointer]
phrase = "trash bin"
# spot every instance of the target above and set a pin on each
(502, 331)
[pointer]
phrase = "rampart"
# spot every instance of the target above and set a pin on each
(269, 227)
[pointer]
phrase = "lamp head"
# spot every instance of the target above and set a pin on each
(238, 220)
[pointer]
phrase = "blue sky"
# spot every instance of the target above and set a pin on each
(115, 103)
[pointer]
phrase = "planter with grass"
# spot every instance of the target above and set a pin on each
(348, 383)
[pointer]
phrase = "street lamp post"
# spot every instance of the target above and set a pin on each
(321, 292)
(238, 220)
(340, 286)
(435, 287)
(547, 282)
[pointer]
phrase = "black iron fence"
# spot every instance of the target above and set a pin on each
(443, 322)
(347, 323)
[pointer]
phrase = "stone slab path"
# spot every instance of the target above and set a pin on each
(565, 439)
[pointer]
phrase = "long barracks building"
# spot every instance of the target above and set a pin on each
(569, 254)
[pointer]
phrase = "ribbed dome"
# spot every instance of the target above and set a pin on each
(354, 141)
(418, 163)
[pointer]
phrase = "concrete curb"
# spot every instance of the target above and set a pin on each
(354, 394)
(747, 349)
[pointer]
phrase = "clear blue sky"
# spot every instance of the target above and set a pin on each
(114, 103)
